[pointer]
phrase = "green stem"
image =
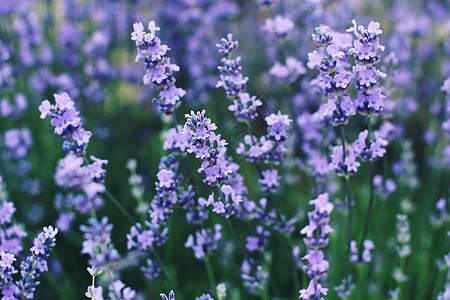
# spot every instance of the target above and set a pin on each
(265, 294)
(115, 202)
(165, 271)
(348, 196)
(209, 269)
(294, 264)
(236, 240)
(119, 206)
(371, 196)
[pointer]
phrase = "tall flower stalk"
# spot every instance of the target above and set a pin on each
(316, 238)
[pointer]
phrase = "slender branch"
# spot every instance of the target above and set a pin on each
(209, 269)
(236, 240)
(348, 196)
(371, 196)
(119, 206)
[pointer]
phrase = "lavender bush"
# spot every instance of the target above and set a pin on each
(175, 147)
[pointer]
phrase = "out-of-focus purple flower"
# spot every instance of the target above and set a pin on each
(383, 187)
(71, 173)
(259, 242)
(270, 180)
(288, 72)
(278, 27)
(366, 255)
(176, 141)
(152, 270)
(403, 236)
(118, 290)
(97, 243)
(267, 2)
(255, 277)
(277, 126)
(206, 241)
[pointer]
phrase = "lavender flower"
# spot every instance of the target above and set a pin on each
(366, 255)
(205, 241)
(33, 266)
(316, 232)
(270, 180)
(152, 270)
(118, 291)
(442, 216)
(278, 27)
(255, 277)
(231, 79)
(71, 173)
(67, 123)
(269, 147)
(259, 242)
(288, 72)
(171, 296)
(97, 243)
(144, 240)
(159, 70)
(207, 146)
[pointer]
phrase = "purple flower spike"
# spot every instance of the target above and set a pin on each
(159, 70)
(231, 79)
(316, 232)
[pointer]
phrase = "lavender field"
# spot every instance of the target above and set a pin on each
(224, 149)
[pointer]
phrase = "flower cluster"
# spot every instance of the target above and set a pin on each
(207, 146)
(231, 79)
(358, 149)
(119, 291)
(403, 236)
(159, 70)
(442, 216)
(155, 232)
(269, 147)
(72, 173)
(270, 180)
(176, 141)
(34, 265)
(15, 110)
(259, 242)
(288, 72)
(383, 187)
(97, 243)
(228, 201)
(166, 190)
(67, 123)
(10, 234)
(316, 237)
(278, 27)
(206, 241)
(255, 277)
(366, 255)
(17, 143)
(335, 78)
(365, 51)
